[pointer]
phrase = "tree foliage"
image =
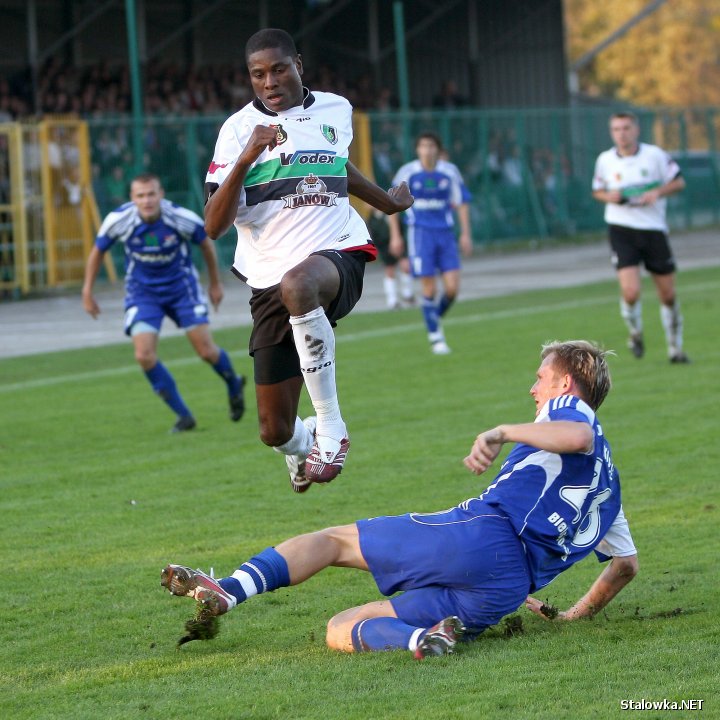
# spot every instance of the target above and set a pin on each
(671, 57)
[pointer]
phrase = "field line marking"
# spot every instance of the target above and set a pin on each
(349, 337)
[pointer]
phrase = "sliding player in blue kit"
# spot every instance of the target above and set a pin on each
(459, 571)
(161, 280)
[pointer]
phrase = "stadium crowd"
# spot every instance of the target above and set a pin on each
(103, 90)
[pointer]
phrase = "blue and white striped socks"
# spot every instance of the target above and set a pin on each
(264, 572)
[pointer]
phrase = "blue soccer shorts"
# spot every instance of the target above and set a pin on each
(466, 561)
(432, 250)
(184, 303)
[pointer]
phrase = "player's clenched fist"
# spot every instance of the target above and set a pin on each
(485, 449)
(262, 138)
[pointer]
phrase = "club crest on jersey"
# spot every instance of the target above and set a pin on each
(330, 134)
(280, 134)
(311, 190)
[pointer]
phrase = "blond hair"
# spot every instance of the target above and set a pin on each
(586, 364)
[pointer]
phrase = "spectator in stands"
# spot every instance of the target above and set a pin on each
(449, 96)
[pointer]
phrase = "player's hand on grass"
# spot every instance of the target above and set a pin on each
(541, 609)
(485, 449)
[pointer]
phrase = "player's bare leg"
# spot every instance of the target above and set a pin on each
(203, 344)
(340, 626)
(145, 345)
(283, 430)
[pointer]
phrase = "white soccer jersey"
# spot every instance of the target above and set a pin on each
(294, 199)
(648, 168)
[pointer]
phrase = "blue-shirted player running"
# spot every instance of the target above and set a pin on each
(439, 193)
(555, 499)
(160, 280)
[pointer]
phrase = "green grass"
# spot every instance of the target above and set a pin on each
(96, 498)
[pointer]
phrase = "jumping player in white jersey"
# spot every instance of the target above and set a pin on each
(555, 500)
(633, 179)
(161, 280)
(281, 174)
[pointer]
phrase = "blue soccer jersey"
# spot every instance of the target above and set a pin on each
(560, 505)
(157, 254)
(436, 193)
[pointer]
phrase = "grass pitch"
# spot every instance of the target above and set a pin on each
(96, 498)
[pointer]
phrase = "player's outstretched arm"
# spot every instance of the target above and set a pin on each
(559, 436)
(395, 200)
(611, 581)
(222, 204)
(92, 268)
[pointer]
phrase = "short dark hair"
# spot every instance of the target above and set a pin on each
(270, 38)
(625, 115)
(427, 135)
(146, 177)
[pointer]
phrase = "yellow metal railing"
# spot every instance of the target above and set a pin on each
(48, 212)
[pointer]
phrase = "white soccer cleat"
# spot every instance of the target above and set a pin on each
(296, 464)
(440, 347)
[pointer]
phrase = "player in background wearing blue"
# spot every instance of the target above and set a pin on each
(634, 179)
(439, 192)
(160, 280)
(555, 500)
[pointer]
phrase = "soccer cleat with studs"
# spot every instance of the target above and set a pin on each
(205, 590)
(237, 402)
(183, 424)
(440, 639)
(323, 465)
(679, 358)
(636, 345)
(296, 464)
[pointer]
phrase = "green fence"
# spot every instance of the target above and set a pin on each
(529, 170)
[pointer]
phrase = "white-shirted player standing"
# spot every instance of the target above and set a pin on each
(633, 179)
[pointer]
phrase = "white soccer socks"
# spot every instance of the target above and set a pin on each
(300, 443)
(391, 295)
(632, 315)
(672, 322)
(406, 286)
(315, 343)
